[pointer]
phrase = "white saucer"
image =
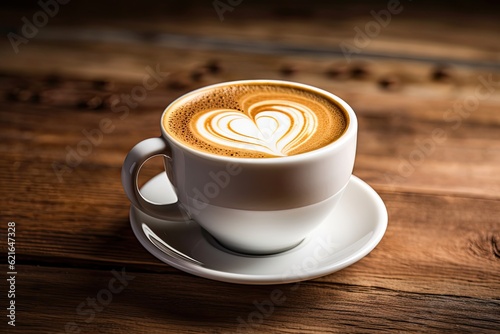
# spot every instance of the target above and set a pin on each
(353, 229)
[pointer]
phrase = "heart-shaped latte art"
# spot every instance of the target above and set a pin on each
(274, 127)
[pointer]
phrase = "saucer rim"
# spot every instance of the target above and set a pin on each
(268, 279)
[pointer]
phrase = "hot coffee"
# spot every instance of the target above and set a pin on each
(305, 136)
(255, 120)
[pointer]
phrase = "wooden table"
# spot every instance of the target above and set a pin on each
(425, 87)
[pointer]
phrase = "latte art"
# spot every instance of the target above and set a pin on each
(255, 120)
(274, 127)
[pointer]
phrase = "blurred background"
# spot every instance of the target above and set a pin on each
(400, 64)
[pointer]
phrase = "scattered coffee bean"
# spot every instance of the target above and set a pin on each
(19, 91)
(11, 95)
(36, 97)
(100, 84)
(288, 69)
(359, 72)
(24, 95)
(213, 66)
(198, 74)
(441, 73)
(337, 72)
(390, 83)
(94, 103)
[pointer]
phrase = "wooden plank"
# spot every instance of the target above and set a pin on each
(429, 236)
(394, 136)
(180, 302)
(63, 222)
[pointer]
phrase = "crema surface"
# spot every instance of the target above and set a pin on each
(255, 120)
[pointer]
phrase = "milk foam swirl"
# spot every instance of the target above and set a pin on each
(255, 119)
(274, 127)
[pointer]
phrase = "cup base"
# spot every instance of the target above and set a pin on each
(263, 232)
(350, 235)
(244, 252)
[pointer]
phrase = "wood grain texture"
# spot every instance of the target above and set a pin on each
(203, 306)
(437, 269)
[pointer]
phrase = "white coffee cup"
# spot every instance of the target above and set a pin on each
(250, 205)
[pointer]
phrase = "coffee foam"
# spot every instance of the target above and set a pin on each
(255, 120)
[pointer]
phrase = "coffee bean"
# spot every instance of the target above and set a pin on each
(441, 73)
(337, 72)
(390, 83)
(213, 66)
(100, 84)
(359, 72)
(198, 74)
(288, 69)
(36, 97)
(24, 95)
(11, 95)
(94, 103)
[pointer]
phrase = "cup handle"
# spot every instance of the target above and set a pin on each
(137, 156)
